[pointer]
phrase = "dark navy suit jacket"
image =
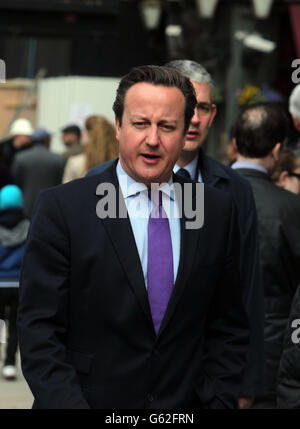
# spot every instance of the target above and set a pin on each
(86, 334)
(226, 179)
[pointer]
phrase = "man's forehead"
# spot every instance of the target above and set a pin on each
(202, 90)
(146, 89)
(143, 97)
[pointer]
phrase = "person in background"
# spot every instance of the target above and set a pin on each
(99, 145)
(13, 233)
(287, 171)
(287, 176)
(20, 138)
(203, 168)
(6, 177)
(37, 168)
(261, 133)
(71, 136)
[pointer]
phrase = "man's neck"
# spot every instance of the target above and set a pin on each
(186, 157)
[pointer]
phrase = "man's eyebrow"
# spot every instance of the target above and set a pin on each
(139, 118)
(168, 121)
(204, 103)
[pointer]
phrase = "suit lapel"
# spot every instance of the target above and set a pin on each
(122, 238)
(188, 244)
(211, 171)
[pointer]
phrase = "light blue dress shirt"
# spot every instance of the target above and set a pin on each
(248, 164)
(139, 207)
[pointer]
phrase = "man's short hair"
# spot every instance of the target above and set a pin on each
(194, 71)
(259, 128)
(294, 102)
(72, 129)
(156, 75)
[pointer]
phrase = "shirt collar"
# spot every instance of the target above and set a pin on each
(191, 167)
(130, 187)
(249, 164)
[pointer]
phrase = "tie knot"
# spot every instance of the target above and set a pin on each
(157, 211)
(184, 173)
(155, 196)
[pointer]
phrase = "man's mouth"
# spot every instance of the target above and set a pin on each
(192, 134)
(150, 156)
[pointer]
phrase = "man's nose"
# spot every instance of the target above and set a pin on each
(196, 117)
(152, 137)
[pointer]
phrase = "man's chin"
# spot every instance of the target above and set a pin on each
(192, 145)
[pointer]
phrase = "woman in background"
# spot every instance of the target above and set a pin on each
(99, 145)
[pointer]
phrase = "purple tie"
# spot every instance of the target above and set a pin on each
(160, 261)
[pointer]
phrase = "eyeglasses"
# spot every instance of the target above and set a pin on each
(295, 175)
(204, 108)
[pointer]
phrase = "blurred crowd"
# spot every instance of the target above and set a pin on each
(28, 165)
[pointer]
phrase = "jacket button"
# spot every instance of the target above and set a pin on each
(150, 397)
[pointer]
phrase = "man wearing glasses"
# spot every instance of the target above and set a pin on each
(194, 163)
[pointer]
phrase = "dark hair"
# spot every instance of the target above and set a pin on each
(72, 129)
(156, 75)
(287, 161)
(259, 128)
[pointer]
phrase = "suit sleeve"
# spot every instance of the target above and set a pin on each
(227, 338)
(43, 310)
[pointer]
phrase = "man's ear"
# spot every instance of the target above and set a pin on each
(118, 126)
(212, 114)
(276, 151)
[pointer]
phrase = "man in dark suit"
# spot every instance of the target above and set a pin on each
(203, 168)
(96, 328)
(261, 131)
(37, 168)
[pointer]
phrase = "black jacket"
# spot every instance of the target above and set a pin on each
(278, 213)
(288, 386)
(225, 179)
(35, 169)
(86, 333)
